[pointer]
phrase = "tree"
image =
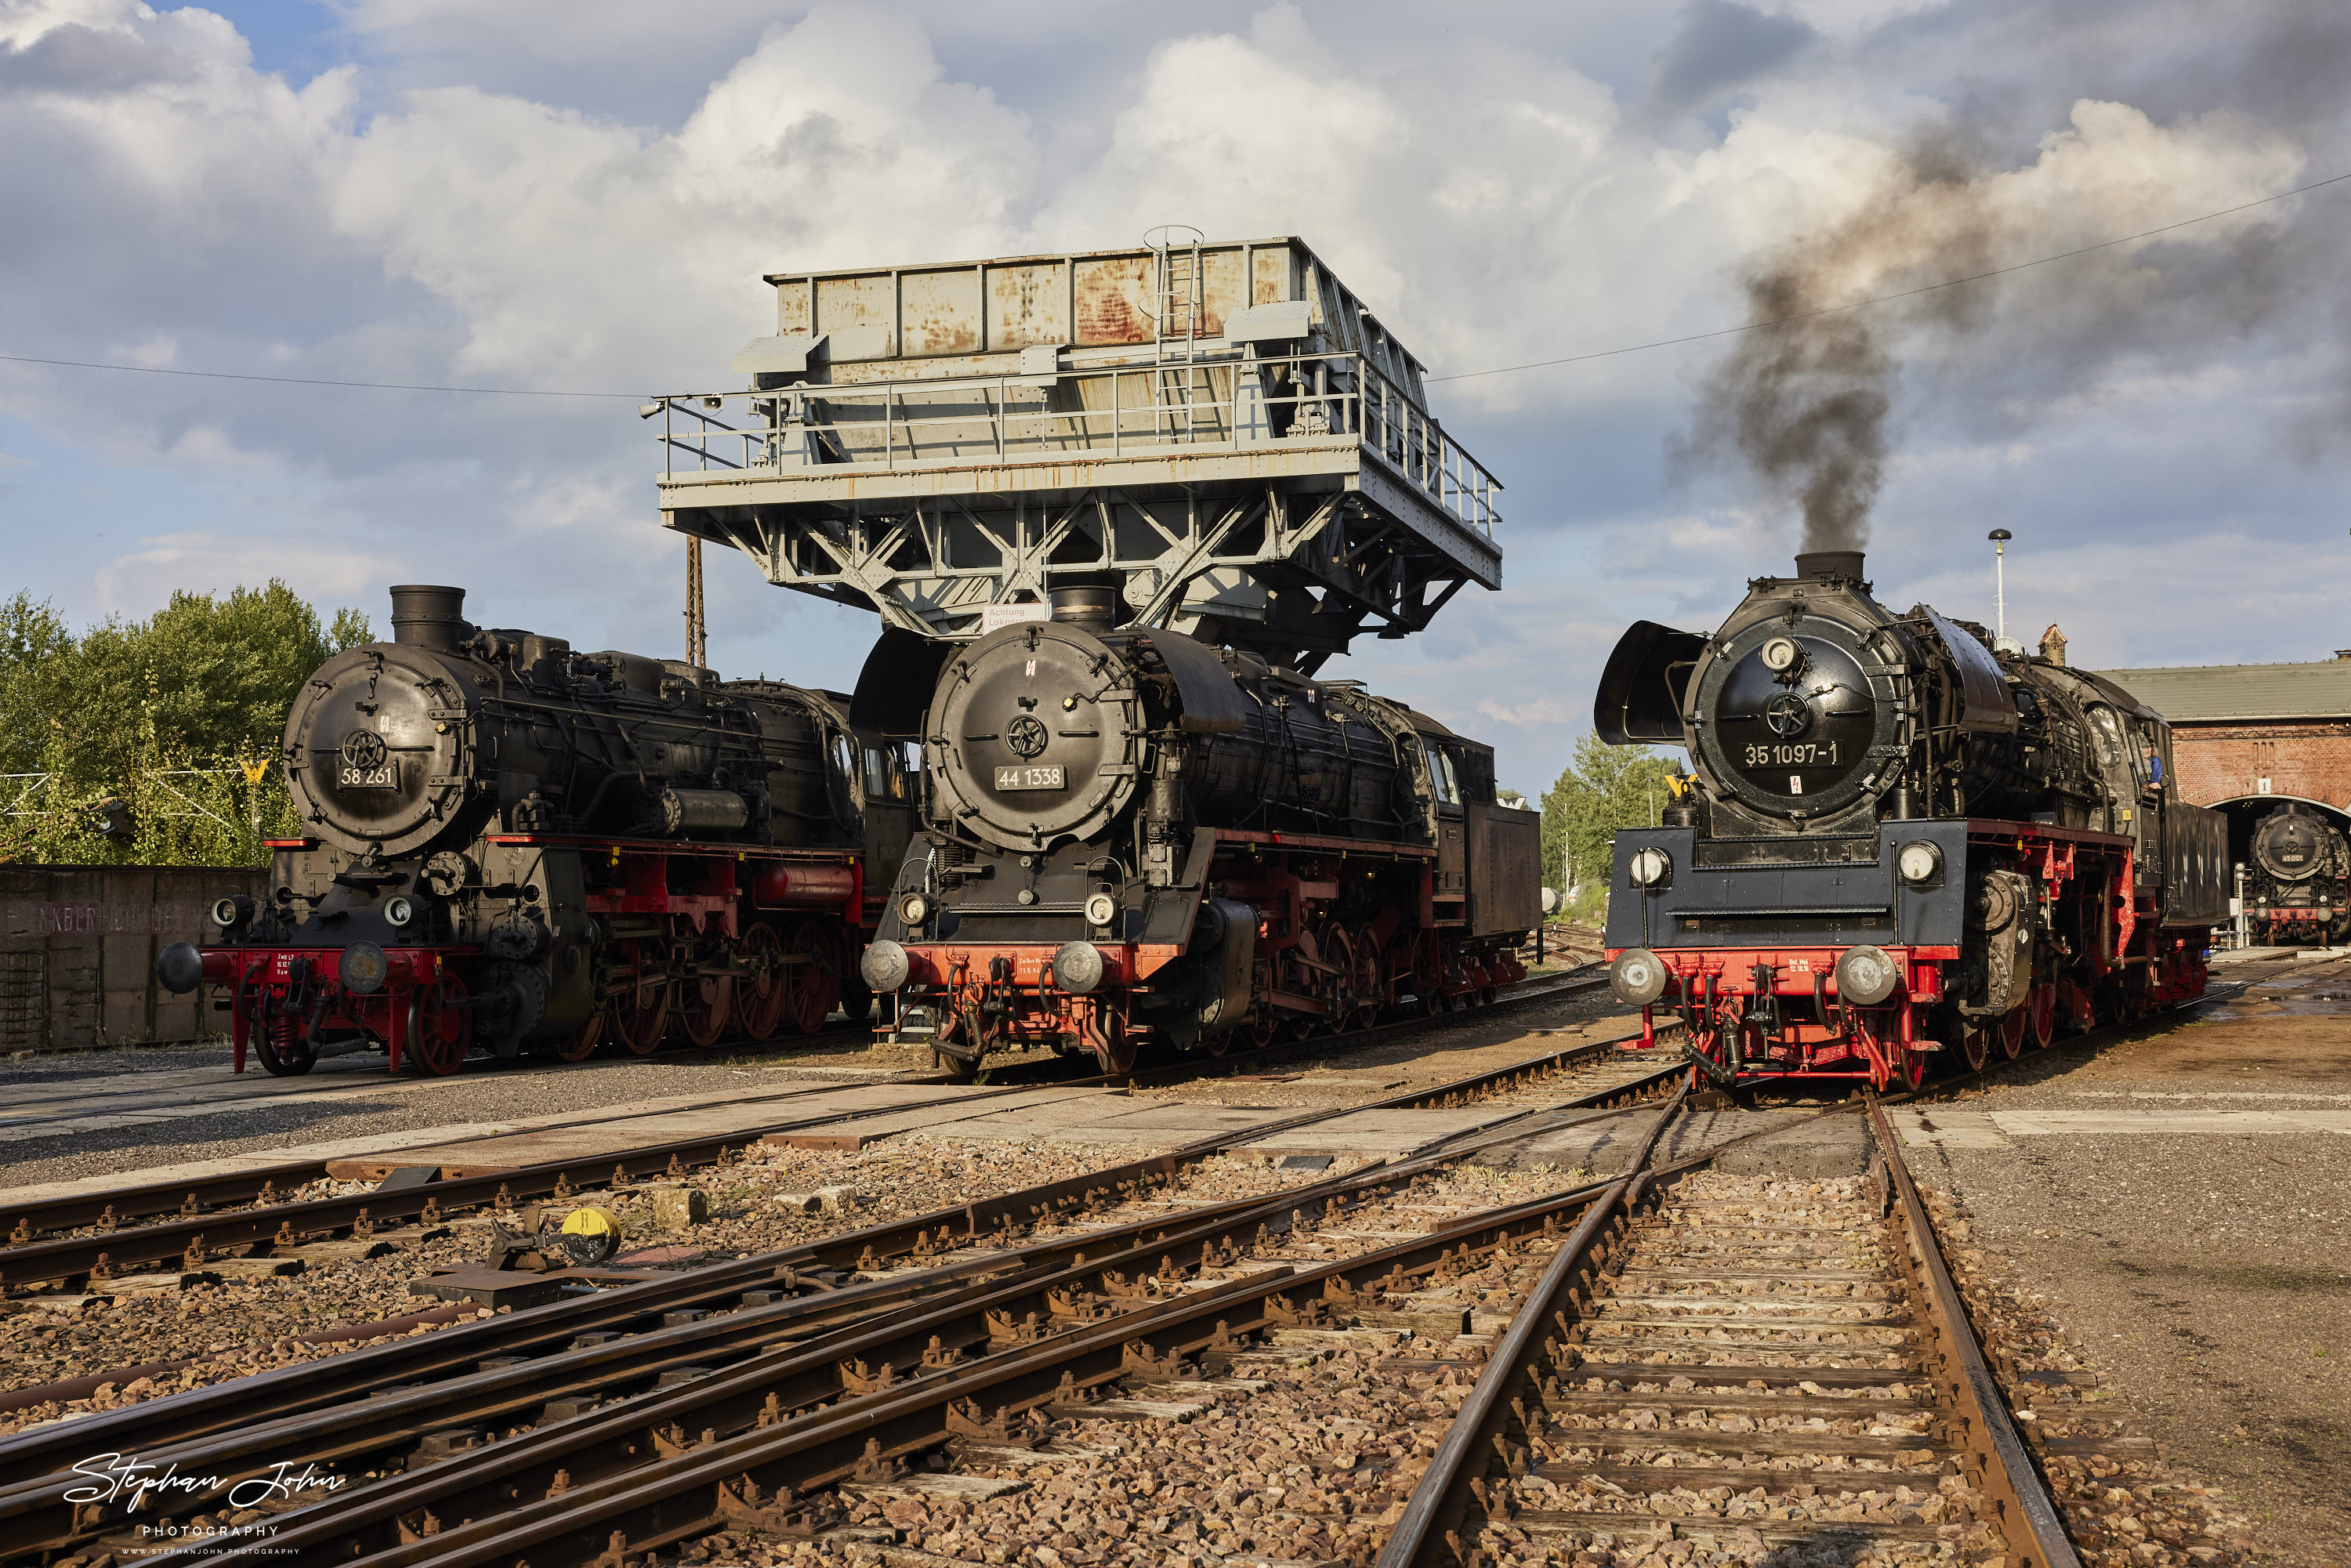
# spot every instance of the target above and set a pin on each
(33, 643)
(1605, 787)
(180, 715)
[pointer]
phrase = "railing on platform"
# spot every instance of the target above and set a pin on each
(1205, 406)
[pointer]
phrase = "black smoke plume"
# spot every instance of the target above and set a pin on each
(1806, 397)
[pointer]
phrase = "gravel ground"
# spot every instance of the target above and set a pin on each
(1302, 1453)
(2121, 1509)
(2207, 1279)
(366, 1101)
(364, 1104)
(235, 1328)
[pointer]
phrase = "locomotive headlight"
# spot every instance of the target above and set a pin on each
(884, 966)
(1866, 975)
(1649, 868)
(399, 909)
(1781, 653)
(1637, 978)
(1078, 966)
(914, 909)
(1101, 909)
(1919, 863)
(363, 969)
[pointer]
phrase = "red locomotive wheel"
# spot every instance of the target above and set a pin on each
(760, 996)
(2013, 1026)
(1975, 1044)
(706, 1007)
(812, 981)
(1118, 1049)
(2043, 1005)
(1263, 1027)
(638, 1012)
(1428, 975)
(581, 1045)
(440, 1027)
(1367, 982)
(1339, 952)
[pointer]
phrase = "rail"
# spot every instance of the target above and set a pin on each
(1188, 407)
(1499, 1419)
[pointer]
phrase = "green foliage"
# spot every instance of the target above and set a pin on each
(179, 716)
(1605, 787)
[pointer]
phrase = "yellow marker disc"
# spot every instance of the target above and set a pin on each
(591, 1222)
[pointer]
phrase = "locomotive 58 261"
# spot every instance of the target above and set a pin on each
(517, 846)
(1133, 835)
(1898, 840)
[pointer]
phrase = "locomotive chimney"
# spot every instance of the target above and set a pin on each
(1091, 608)
(1830, 564)
(427, 617)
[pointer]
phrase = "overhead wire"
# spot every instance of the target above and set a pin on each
(1455, 376)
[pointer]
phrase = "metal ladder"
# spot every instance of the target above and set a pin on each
(1177, 330)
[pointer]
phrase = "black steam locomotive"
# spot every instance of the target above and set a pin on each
(1899, 839)
(516, 847)
(2298, 879)
(1133, 835)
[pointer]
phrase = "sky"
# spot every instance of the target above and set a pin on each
(580, 198)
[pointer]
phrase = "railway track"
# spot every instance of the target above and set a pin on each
(84, 1238)
(1743, 1366)
(697, 1321)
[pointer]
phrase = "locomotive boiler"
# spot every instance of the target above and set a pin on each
(1897, 839)
(511, 845)
(1134, 836)
(2297, 879)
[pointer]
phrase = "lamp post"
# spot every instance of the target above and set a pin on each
(2000, 538)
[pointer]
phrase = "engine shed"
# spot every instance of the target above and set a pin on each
(1221, 432)
(2249, 738)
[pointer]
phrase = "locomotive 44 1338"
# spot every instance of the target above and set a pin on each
(1899, 840)
(1133, 835)
(517, 847)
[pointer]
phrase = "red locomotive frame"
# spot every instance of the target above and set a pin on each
(1311, 968)
(750, 934)
(2124, 957)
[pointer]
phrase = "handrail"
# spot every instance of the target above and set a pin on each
(1181, 413)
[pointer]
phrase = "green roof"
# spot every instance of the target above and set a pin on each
(2191, 694)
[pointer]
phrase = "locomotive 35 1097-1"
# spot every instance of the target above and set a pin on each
(1898, 840)
(2297, 878)
(1133, 835)
(513, 846)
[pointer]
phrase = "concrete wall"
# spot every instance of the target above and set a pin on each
(2220, 762)
(77, 947)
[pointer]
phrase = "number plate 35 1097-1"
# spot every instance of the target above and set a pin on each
(385, 778)
(1018, 777)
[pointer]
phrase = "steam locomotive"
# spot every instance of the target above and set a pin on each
(1898, 839)
(516, 847)
(2298, 884)
(1133, 836)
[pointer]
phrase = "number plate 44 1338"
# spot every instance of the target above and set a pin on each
(1019, 778)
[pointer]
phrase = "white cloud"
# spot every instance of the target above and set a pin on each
(435, 216)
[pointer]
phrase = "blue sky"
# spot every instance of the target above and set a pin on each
(582, 197)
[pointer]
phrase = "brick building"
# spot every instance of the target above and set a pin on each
(2243, 731)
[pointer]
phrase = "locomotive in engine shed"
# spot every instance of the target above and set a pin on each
(513, 846)
(1132, 835)
(1897, 839)
(2298, 879)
